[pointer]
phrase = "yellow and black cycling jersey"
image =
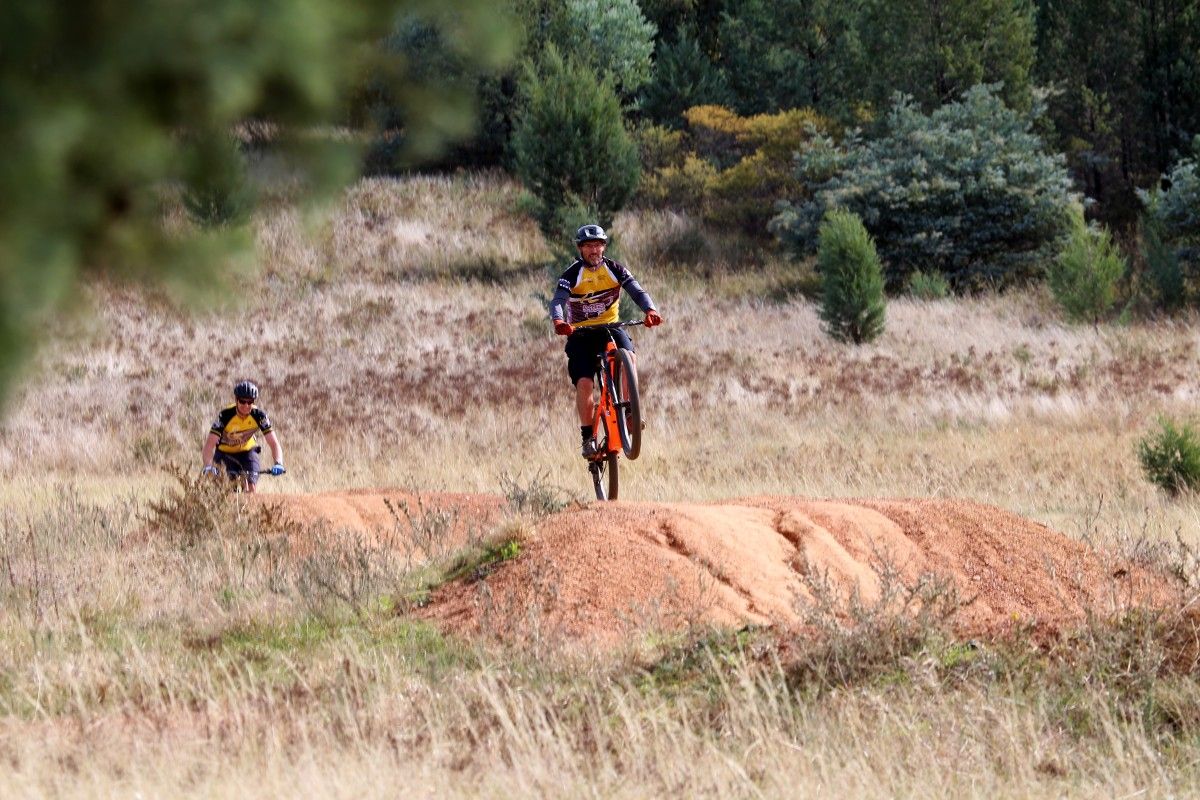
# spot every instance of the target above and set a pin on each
(237, 433)
(587, 296)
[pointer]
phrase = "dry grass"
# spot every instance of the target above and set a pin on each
(402, 341)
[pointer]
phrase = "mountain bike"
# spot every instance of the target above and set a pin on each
(241, 479)
(617, 419)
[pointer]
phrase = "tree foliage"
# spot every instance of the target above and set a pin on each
(729, 168)
(1171, 233)
(781, 54)
(439, 66)
(612, 37)
(1175, 203)
(967, 191)
(1085, 274)
(570, 146)
(852, 301)
(1127, 103)
(684, 77)
(936, 51)
(107, 106)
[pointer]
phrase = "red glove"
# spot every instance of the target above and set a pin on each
(563, 328)
(653, 318)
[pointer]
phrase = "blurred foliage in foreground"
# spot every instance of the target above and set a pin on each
(113, 109)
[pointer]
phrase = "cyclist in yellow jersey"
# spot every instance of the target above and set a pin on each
(588, 295)
(231, 441)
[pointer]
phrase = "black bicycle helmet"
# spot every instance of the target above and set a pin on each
(590, 233)
(245, 390)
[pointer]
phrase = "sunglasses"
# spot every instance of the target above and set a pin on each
(242, 401)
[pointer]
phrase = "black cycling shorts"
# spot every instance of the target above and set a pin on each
(585, 346)
(239, 464)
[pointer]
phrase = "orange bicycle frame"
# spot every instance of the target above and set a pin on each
(606, 413)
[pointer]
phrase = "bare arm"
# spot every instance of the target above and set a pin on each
(210, 448)
(276, 448)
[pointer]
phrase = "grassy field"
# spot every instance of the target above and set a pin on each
(402, 341)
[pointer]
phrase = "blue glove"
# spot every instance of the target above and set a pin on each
(278, 470)
(209, 470)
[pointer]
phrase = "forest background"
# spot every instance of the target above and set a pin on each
(958, 131)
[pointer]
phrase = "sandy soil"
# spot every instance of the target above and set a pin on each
(605, 572)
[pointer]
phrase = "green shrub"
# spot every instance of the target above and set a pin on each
(216, 191)
(1172, 226)
(733, 169)
(928, 286)
(1084, 276)
(852, 303)
(1164, 275)
(1177, 207)
(570, 146)
(968, 192)
(1171, 457)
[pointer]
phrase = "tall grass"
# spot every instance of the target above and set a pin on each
(195, 655)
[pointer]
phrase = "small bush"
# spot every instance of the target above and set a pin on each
(216, 191)
(729, 169)
(928, 286)
(1171, 457)
(852, 303)
(538, 498)
(1084, 276)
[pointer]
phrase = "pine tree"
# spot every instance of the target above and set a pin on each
(852, 301)
(571, 148)
(1084, 276)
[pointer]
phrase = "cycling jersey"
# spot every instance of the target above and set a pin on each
(591, 296)
(237, 433)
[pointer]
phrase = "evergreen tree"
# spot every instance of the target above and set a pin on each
(684, 77)
(781, 54)
(1163, 273)
(612, 38)
(852, 301)
(936, 51)
(1128, 99)
(570, 146)
(1171, 226)
(1085, 274)
(107, 106)
(967, 191)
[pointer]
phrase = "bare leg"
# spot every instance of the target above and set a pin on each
(583, 401)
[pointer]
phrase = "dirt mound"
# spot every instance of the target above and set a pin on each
(607, 571)
(424, 525)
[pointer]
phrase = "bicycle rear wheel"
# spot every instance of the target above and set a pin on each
(628, 402)
(604, 477)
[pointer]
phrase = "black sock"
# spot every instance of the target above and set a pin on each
(585, 431)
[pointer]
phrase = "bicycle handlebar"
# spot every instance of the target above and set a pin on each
(225, 473)
(625, 323)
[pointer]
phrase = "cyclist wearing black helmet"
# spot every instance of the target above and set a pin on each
(587, 295)
(231, 440)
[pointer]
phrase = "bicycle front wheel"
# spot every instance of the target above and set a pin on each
(604, 477)
(628, 403)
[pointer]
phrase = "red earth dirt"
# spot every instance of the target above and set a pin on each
(606, 573)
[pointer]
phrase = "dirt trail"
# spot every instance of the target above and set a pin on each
(607, 571)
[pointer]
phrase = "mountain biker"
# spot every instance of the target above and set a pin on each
(587, 295)
(231, 440)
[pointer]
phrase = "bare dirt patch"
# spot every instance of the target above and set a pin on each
(428, 525)
(606, 572)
